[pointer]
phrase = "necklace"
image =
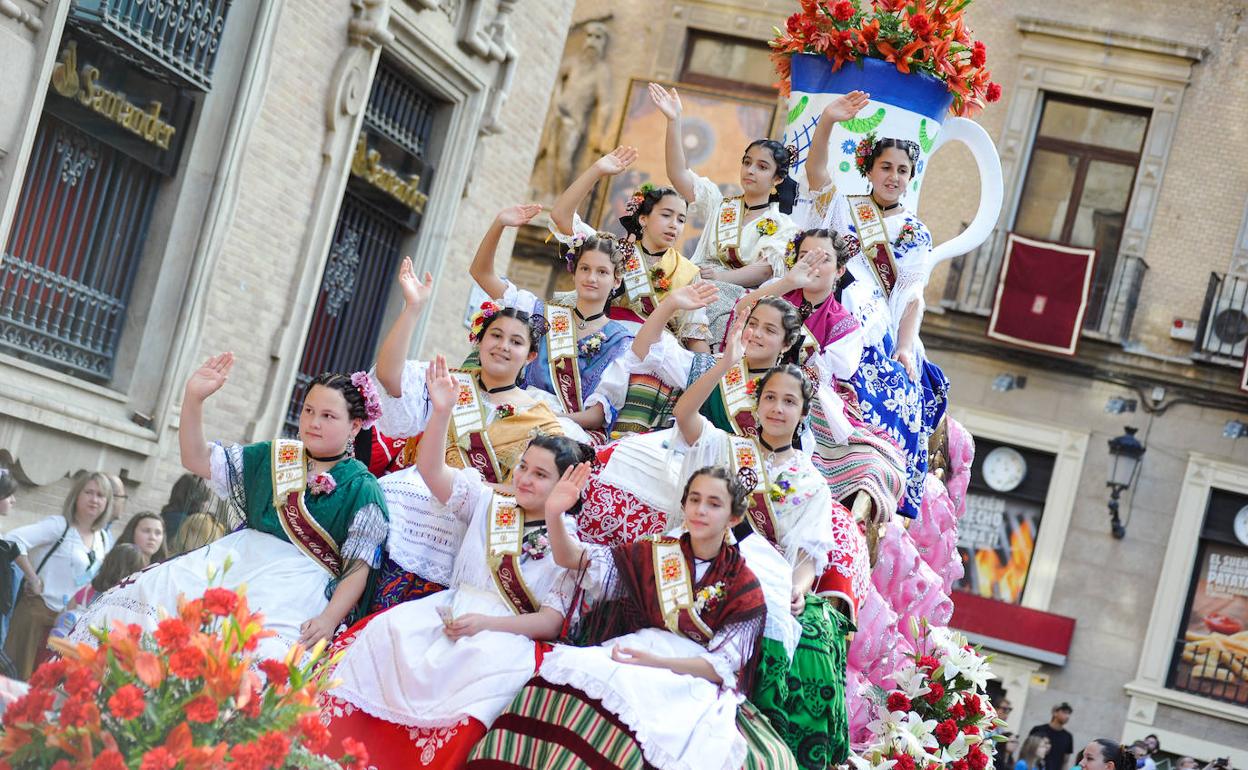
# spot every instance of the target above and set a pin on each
(890, 207)
(649, 253)
(773, 450)
(582, 321)
(499, 389)
(759, 207)
(333, 459)
(757, 371)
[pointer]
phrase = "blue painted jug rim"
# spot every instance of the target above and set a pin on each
(918, 92)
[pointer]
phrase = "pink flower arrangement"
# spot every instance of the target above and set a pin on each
(322, 484)
(372, 404)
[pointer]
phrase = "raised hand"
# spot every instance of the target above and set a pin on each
(443, 388)
(734, 343)
(668, 102)
(846, 106)
(807, 269)
(519, 215)
(568, 489)
(210, 377)
(415, 291)
(616, 161)
(692, 296)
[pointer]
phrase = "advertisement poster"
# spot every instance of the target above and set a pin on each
(1214, 659)
(996, 539)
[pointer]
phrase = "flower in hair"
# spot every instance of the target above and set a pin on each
(863, 152)
(790, 253)
(372, 404)
(747, 478)
(488, 310)
(538, 323)
(793, 155)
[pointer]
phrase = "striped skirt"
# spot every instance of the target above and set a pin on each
(557, 727)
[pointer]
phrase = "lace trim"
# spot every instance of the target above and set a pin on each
(366, 536)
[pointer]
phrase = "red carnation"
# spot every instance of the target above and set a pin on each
(127, 702)
(220, 601)
(187, 663)
(994, 92)
(979, 54)
(946, 732)
(928, 662)
(904, 761)
(897, 701)
(961, 764)
(315, 733)
(958, 711)
(937, 691)
(277, 672)
(81, 682)
(110, 759)
(843, 11)
(61, 764)
(971, 730)
(274, 747)
(977, 758)
(49, 674)
(920, 24)
(159, 758)
(248, 756)
(973, 705)
(794, 24)
(359, 754)
(202, 709)
(77, 711)
(172, 634)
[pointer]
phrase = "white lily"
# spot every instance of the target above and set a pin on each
(915, 734)
(956, 750)
(911, 681)
(877, 763)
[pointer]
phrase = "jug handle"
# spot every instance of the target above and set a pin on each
(984, 151)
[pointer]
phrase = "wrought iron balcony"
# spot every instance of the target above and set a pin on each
(174, 40)
(1222, 335)
(1112, 298)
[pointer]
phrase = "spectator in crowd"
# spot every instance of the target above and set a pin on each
(196, 531)
(189, 495)
(1061, 742)
(10, 575)
(146, 530)
(1007, 752)
(1142, 760)
(1032, 755)
(1187, 763)
(1153, 744)
(120, 496)
(122, 561)
(1106, 754)
(57, 556)
(8, 492)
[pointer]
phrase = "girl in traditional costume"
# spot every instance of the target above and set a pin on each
(582, 341)
(790, 505)
(490, 427)
(866, 460)
(653, 266)
(313, 520)
(743, 243)
(899, 390)
(426, 678)
(674, 628)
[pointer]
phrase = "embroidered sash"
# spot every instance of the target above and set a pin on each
(873, 237)
(674, 583)
(561, 354)
(637, 286)
(728, 231)
(504, 544)
(747, 454)
(468, 429)
(290, 480)
(737, 400)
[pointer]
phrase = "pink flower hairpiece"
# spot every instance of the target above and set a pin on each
(488, 309)
(372, 404)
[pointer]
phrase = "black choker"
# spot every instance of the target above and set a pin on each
(759, 207)
(758, 371)
(500, 389)
(582, 321)
(650, 253)
(806, 308)
(891, 207)
(333, 459)
(775, 450)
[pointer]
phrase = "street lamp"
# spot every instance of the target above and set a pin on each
(1124, 464)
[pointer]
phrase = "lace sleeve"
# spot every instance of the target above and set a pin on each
(693, 325)
(365, 536)
(226, 463)
(407, 414)
(807, 527)
(579, 227)
(731, 652)
(707, 199)
(466, 492)
(598, 577)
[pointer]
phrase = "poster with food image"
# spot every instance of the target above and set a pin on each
(996, 539)
(1214, 659)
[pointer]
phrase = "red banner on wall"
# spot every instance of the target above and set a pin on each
(1042, 295)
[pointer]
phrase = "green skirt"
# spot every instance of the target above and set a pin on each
(805, 699)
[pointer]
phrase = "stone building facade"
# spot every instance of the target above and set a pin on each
(314, 145)
(1162, 348)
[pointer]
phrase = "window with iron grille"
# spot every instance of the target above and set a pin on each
(1079, 182)
(373, 228)
(1211, 648)
(67, 270)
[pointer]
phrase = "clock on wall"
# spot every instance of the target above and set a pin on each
(1240, 525)
(1004, 469)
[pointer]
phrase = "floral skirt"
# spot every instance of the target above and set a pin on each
(805, 698)
(895, 405)
(396, 585)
